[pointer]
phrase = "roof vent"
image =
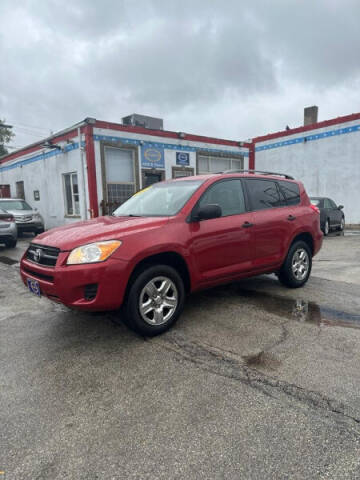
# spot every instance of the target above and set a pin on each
(137, 120)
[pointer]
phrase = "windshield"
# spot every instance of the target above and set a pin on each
(161, 199)
(14, 205)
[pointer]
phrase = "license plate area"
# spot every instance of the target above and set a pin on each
(34, 286)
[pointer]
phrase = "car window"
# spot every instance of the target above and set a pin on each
(14, 205)
(332, 203)
(291, 192)
(327, 203)
(228, 195)
(264, 194)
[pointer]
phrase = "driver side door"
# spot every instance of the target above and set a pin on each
(223, 247)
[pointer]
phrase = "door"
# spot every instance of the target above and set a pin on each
(223, 247)
(119, 177)
(332, 212)
(149, 177)
(5, 191)
(20, 191)
(273, 221)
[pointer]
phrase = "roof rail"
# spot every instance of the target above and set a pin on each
(289, 177)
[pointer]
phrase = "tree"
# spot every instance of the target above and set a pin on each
(5, 136)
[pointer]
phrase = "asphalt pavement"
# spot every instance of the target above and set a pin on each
(256, 381)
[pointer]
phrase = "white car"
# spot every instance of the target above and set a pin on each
(27, 218)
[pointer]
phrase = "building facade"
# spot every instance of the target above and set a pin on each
(325, 156)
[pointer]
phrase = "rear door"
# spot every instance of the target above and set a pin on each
(274, 220)
(223, 247)
(335, 213)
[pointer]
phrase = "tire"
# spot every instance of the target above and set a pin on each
(326, 228)
(11, 243)
(342, 224)
(296, 269)
(151, 315)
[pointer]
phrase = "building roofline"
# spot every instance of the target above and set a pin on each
(71, 132)
(168, 134)
(62, 135)
(307, 128)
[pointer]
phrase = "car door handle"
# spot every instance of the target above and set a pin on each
(291, 217)
(247, 224)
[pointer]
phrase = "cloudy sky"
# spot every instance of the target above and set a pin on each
(229, 68)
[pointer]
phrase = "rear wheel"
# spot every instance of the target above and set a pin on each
(155, 300)
(296, 269)
(342, 224)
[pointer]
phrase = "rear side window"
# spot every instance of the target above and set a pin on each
(228, 195)
(291, 192)
(264, 194)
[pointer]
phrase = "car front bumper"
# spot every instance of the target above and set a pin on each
(68, 284)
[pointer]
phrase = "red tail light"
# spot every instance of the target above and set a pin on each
(315, 208)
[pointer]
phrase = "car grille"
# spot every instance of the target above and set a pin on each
(42, 255)
(23, 218)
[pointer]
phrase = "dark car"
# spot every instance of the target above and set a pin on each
(173, 238)
(331, 215)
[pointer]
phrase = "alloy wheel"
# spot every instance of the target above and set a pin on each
(158, 300)
(300, 264)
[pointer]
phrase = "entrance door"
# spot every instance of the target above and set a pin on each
(20, 191)
(119, 177)
(151, 176)
(5, 191)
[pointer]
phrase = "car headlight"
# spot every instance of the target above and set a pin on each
(93, 252)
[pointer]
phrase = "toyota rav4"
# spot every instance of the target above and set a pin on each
(176, 237)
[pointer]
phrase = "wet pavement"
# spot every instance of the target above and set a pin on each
(255, 381)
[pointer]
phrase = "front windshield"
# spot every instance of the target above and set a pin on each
(161, 199)
(14, 205)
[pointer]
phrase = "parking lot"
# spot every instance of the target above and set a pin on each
(255, 381)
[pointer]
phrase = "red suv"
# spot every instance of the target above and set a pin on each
(176, 237)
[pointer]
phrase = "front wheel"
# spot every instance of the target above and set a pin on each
(342, 224)
(326, 228)
(296, 269)
(155, 300)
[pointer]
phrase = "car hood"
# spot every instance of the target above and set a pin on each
(18, 213)
(96, 230)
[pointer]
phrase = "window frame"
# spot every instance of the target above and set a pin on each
(211, 155)
(67, 214)
(250, 203)
(212, 185)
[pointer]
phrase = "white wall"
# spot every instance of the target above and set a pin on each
(45, 175)
(327, 166)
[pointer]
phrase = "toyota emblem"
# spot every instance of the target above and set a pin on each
(37, 255)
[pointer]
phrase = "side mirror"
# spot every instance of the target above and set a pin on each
(207, 212)
(340, 207)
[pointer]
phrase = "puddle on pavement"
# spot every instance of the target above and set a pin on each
(8, 261)
(301, 310)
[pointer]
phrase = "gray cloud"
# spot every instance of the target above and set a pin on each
(231, 69)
